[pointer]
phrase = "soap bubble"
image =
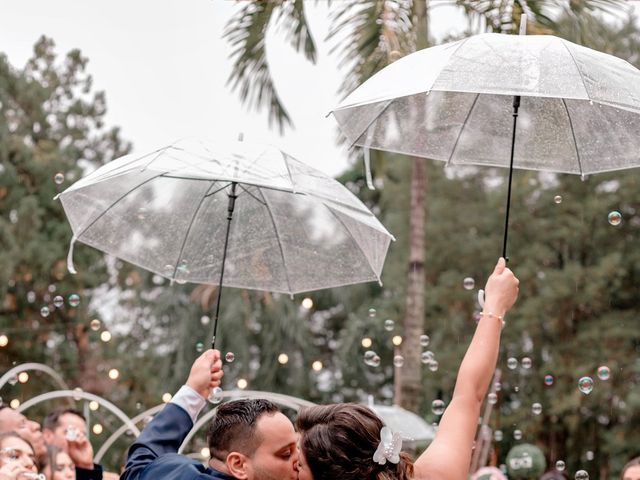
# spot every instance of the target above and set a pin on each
(215, 396)
(433, 366)
(615, 219)
(58, 178)
(74, 300)
(389, 324)
(560, 465)
(229, 357)
(498, 435)
(557, 199)
(424, 340)
(468, 283)
(199, 347)
(512, 363)
(58, 301)
(604, 373)
(398, 361)
(581, 475)
(526, 362)
(95, 324)
(372, 312)
(536, 409)
(44, 311)
(548, 380)
(437, 407)
(517, 434)
(492, 398)
(585, 384)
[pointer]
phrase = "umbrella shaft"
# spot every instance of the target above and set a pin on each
(516, 105)
(230, 207)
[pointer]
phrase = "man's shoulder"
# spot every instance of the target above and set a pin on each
(180, 467)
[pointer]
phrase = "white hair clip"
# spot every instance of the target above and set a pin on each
(389, 447)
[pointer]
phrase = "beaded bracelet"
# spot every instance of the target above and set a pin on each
(493, 315)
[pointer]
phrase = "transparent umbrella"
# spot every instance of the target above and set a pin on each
(294, 229)
(576, 110)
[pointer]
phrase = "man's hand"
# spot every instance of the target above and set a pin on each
(206, 372)
(81, 451)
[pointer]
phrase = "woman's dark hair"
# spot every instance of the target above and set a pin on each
(631, 463)
(51, 459)
(338, 441)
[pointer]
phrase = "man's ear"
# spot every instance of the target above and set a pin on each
(238, 465)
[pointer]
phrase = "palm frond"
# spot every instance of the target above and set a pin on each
(291, 16)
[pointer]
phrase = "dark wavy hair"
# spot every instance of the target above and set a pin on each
(338, 442)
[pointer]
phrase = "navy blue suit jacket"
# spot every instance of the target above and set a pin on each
(153, 455)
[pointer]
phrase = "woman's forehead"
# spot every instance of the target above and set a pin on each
(17, 444)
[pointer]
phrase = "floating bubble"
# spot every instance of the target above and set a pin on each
(204, 320)
(58, 178)
(389, 324)
(375, 362)
(13, 380)
(589, 455)
(372, 312)
(492, 398)
(512, 363)
(581, 475)
(498, 435)
(95, 324)
(230, 357)
(31, 297)
(424, 340)
(371, 358)
(398, 361)
(536, 409)
(426, 357)
(138, 406)
(468, 283)
(548, 380)
(44, 311)
(74, 300)
(58, 301)
(517, 434)
(437, 407)
(497, 386)
(199, 347)
(433, 366)
(615, 219)
(215, 396)
(560, 465)
(557, 199)
(526, 363)
(604, 373)
(585, 384)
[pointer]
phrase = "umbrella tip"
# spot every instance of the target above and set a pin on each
(523, 24)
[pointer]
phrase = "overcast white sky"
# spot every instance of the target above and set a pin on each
(164, 66)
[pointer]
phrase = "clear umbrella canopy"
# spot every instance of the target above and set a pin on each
(294, 229)
(579, 111)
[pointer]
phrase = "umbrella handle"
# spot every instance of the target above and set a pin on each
(516, 106)
(230, 207)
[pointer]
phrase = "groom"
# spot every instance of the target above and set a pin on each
(248, 439)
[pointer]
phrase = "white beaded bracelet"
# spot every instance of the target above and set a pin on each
(493, 315)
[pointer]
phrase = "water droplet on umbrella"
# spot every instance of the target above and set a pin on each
(526, 362)
(230, 357)
(437, 407)
(615, 218)
(548, 380)
(398, 361)
(74, 300)
(517, 434)
(557, 199)
(585, 384)
(58, 301)
(44, 311)
(216, 395)
(492, 398)
(604, 373)
(536, 409)
(468, 283)
(581, 475)
(58, 178)
(512, 363)
(560, 466)
(424, 340)
(95, 324)
(199, 347)
(372, 312)
(389, 324)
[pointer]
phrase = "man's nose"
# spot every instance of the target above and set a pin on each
(35, 426)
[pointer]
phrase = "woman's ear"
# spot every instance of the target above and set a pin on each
(238, 464)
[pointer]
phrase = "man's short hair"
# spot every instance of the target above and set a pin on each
(233, 429)
(52, 420)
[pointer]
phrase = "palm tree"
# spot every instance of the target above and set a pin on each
(371, 34)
